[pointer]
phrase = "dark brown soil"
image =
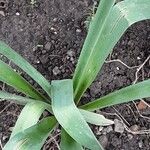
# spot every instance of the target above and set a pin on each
(50, 34)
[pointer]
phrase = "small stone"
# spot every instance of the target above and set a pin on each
(43, 51)
(134, 128)
(100, 128)
(138, 58)
(4, 138)
(70, 53)
(37, 61)
(55, 19)
(56, 71)
(78, 30)
(44, 59)
(140, 144)
(48, 46)
(117, 68)
(103, 140)
(119, 126)
(52, 29)
(107, 130)
(17, 14)
(130, 136)
(72, 59)
(2, 13)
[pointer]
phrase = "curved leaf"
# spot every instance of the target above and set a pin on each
(90, 117)
(29, 116)
(24, 65)
(68, 143)
(69, 116)
(130, 93)
(32, 138)
(9, 76)
(95, 119)
(98, 46)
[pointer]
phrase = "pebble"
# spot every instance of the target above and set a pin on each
(119, 126)
(56, 71)
(78, 30)
(48, 46)
(2, 13)
(117, 68)
(4, 138)
(55, 20)
(107, 130)
(44, 59)
(130, 136)
(70, 53)
(103, 140)
(17, 14)
(140, 144)
(134, 128)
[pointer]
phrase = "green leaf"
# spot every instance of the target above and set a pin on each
(98, 46)
(32, 138)
(68, 143)
(12, 97)
(96, 119)
(69, 116)
(21, 100)
(29, 116)
(85, 73)
(24, 65)
(9, 76)
(127, 94)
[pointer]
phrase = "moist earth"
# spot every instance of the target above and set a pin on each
(50, 35)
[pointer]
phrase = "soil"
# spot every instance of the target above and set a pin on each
(50, 34)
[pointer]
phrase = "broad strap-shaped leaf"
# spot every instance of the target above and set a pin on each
(69, 117)
(9, 76)
(130, 93)
(29, 116)
(68, 143)
(97, 47)
(24, 65)
(95, 119)
(80, 82)
(32, 138)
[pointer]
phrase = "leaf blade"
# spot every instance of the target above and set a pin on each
(95, 119)
(67, 143)
(69, 116)
(121, 16)
(29, 116)
(9, 76)
(130, 93)
(33, 137)
(24, 65)
(87, 50)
